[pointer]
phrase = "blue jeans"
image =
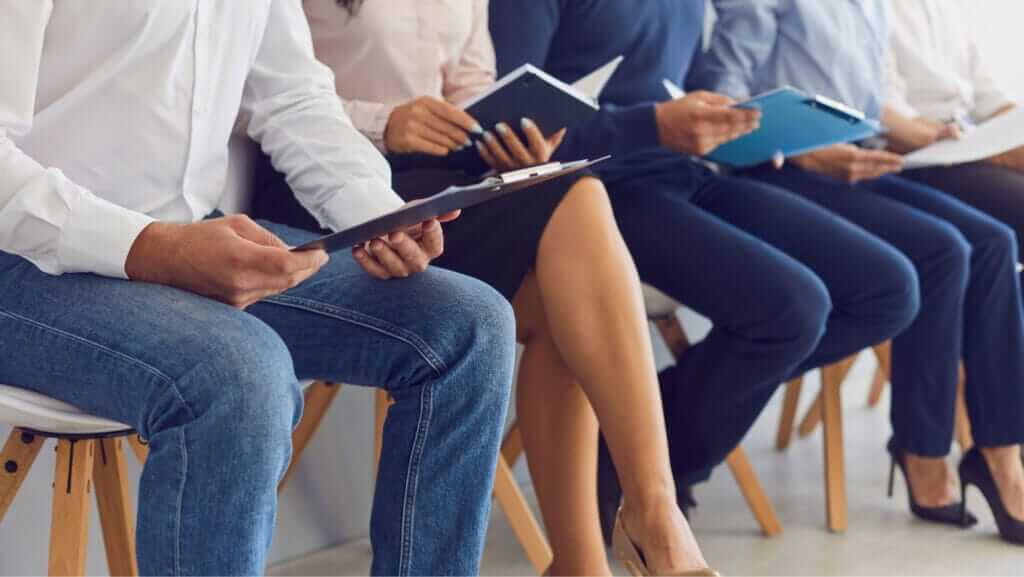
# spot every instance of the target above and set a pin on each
(215, 391)
(971, 308)
(764, 266)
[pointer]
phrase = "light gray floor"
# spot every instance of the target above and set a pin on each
(882, 539)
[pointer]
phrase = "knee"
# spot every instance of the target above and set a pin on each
(481, 333)
(802, 306)
(999, 241)
(243, 386)
(896, 298)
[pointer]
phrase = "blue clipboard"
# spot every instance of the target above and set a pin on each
(794, 123)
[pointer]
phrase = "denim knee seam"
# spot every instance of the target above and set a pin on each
(346, 315)
(179, 505)
(412, 478)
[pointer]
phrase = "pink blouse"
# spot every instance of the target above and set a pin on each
(394, 51)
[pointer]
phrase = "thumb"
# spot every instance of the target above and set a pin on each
(251, 231)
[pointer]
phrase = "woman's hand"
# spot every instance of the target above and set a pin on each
(507, 152)
(429, 126)
(850, 163)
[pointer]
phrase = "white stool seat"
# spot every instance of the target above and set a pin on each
(28, 410)
(658, 304)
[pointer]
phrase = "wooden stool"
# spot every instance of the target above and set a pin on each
(89, 453)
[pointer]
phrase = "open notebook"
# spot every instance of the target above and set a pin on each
(529, 92)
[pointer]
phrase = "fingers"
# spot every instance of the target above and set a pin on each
(388, 258)
(455, 137)
(556, 140)
(520, 155)
(371, 266)
(419, 144)
(454, 115)
(502, 160)
(432, 239)
(485, 153)
(450, 216)
(540, 150)
(413, 256)
(712, 98)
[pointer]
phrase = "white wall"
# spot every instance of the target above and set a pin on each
(998, 27)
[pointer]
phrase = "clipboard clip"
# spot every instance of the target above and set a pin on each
(836, 108)
(528, 173)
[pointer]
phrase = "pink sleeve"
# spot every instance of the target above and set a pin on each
(474, 71)
(370, 118)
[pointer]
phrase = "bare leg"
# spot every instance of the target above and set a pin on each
(585, 300)
(932, 481)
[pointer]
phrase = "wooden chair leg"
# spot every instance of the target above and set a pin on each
(140, 449)
(790, 403)
(883, 353)
(117, 515)
(69, 531)
(382, 402)
(836, 373)
(512, 447)
(528, 531)
(752, 491)
(964, 438)
(318, 399)
(16, 460)
(835, 474)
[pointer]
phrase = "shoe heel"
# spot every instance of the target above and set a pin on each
(963, 504)
(892, 474)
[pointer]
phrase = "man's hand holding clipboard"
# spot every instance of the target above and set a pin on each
(402, 242)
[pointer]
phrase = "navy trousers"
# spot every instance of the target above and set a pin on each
(788, 285)
(970, 306)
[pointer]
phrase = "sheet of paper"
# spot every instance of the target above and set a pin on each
(1001, 134)
(673, 89)
(593, 84)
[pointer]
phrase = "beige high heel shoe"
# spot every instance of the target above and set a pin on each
(628, 554)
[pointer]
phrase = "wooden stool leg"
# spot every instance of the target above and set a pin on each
(964, 438)
(140, 449)
(69, 532)
(117, 515)
(318, 399)
(512, 447)
(789, 406)
(16, 460)
(835, 474)
(382, 402)
(524, 524)
(752, 491)
(836, 373)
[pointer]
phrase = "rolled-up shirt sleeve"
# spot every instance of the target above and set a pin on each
(741, 43)
(46, 218)
(300, 122)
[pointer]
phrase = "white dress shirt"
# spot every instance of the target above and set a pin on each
(936, 69)
(115, 113)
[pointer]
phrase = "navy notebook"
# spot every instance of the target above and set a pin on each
(529, 92)
(448, 200)
(794, 123)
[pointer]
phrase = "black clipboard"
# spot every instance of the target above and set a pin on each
(451, 199)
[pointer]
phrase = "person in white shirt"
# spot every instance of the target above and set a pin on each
(123, 291)
(938, 84)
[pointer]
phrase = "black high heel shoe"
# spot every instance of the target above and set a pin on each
(974, 471)
(955, 514)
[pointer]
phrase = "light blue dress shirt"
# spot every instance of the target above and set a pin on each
(835, 48)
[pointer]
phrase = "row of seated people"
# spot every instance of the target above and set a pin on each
(195, 328)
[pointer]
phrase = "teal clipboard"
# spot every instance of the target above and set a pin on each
(794, 123)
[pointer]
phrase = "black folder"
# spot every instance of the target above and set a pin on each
(448, 200)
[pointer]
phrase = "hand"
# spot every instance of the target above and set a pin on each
(702, 121)
(850, 163)
(509, 153)
(1013, 160)
(430, 126)
(402, 254)
(231, 259)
